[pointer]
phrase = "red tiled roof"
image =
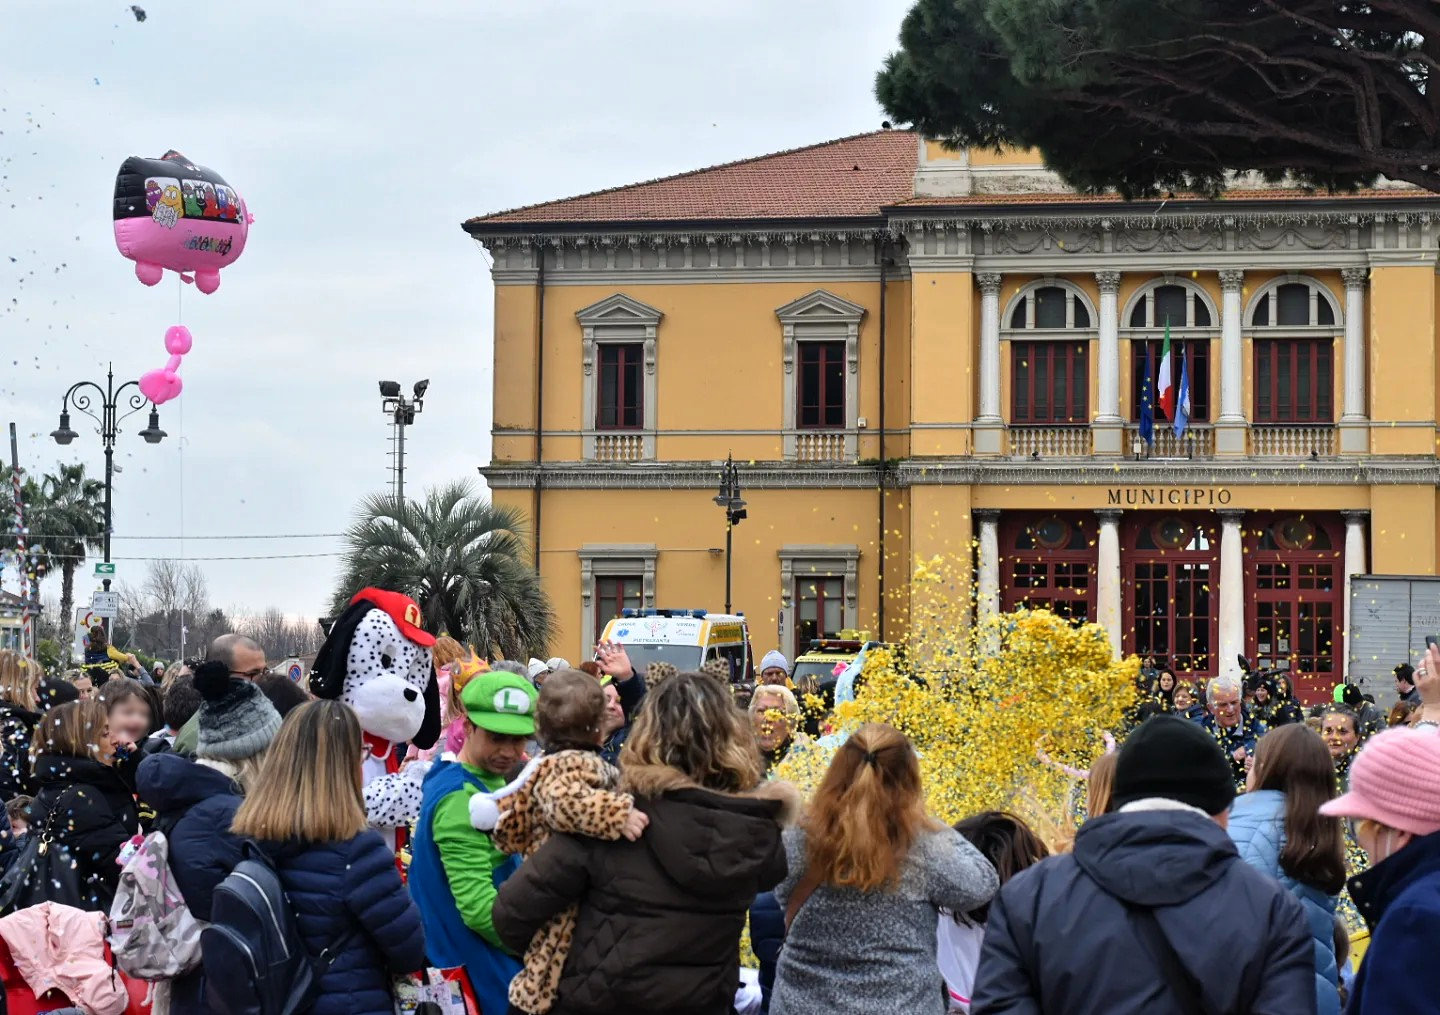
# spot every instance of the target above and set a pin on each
(853, 177)
(1071, 198)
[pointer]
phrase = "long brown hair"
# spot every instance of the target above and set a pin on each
(691, 724)
(445, 651)
(1101, 785)
(76, 729)
(309, 787)
(19, 680)
(1296, 762)
(1008, 843)
(867, 811)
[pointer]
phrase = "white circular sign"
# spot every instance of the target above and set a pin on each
(512, 701)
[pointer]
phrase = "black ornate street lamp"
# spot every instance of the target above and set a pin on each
(109, 419)
(729, 499)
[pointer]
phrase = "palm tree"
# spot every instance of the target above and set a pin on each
(66, 512)
(461, 558)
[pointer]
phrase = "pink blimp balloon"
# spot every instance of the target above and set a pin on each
(164, 384)
(171, 213)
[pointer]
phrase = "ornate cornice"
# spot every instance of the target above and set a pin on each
(608, 254)
(683, 476)
(968, 472)
(1111, 220)
(1240, 472)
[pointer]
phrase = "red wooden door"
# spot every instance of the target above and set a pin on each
(1170, 565)
(1047, 561)
(1294, 598)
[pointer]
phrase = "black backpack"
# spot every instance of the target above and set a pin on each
(255, 960)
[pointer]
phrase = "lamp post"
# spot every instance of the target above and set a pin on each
(109, 419)
(402, 412)
(729, 499)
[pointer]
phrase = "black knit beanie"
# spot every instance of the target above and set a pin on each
(237, 721)
(1173, 758)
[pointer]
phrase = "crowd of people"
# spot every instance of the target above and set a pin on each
(594, 840)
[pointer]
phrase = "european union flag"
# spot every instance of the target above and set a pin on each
(1147, 403)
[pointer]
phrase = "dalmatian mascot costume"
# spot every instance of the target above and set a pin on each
(377, 660)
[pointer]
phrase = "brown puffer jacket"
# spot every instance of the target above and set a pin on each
(660, 919)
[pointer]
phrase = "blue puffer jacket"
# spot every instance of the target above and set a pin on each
(1257, 826)
(767, 935)
(336, 887)
(1044, 951)
(194, 806)
(1400, 900)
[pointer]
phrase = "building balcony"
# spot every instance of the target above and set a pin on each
(1296, 441)
(620, 446)
(1050, 442)
(823, 446)
(1198, 442)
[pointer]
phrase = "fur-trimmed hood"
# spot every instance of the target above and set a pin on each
(656, 780)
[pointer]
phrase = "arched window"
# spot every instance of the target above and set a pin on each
(1185, 308)
(1293, 302)
(1049, 307)
(1294, 321)
(1049, 364)
(1180, 306)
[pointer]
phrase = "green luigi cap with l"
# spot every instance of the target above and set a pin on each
(502, 703)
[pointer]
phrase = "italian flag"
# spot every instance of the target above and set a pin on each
(1167, 384)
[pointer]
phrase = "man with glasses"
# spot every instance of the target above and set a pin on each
(1232, 725)
(244, 658)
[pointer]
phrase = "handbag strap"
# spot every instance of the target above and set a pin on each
(1182, 985)
(803, 890)
(47, 831)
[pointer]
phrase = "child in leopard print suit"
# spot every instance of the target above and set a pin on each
(569, 789)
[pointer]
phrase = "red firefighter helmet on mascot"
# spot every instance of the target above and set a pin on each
(377, 659)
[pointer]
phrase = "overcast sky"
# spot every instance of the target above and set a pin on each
(361, 134)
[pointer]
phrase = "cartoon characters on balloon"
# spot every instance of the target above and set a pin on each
(171, 214)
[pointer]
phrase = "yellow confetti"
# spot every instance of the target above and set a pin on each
(994, 694)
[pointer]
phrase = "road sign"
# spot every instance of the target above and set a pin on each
(105, 604)
(105, 570)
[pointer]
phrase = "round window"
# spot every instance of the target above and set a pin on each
(1052, 533)
(1293, 533)
(1172, 533)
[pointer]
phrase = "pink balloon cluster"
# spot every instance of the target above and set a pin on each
(164, 384)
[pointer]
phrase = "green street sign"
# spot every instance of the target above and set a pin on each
(104, 569)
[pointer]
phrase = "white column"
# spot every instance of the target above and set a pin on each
(1108, 430)
(987, 591)
(1109, 407)
(988, 423)
(1354, 564)
(1354, 421)
(1231, 348)
(1232, 592)
(1107, 579)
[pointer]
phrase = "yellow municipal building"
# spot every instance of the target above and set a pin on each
(914, 351)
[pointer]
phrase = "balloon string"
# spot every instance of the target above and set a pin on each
(179, 300)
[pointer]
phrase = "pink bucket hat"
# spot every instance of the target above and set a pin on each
(1395, 780)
